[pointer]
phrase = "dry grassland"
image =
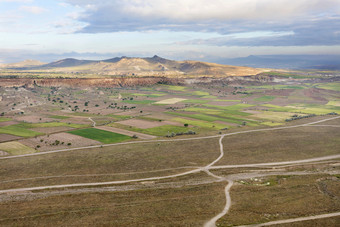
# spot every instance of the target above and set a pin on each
(108, 160)
(280, 145)
(185, 206)
(289, 197)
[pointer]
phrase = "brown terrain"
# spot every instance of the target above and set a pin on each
(125, 66)
(85, 83)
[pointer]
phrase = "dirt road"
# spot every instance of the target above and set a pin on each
(206, 169)
(295, 220)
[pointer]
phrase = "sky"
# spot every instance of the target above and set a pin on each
(207, 30)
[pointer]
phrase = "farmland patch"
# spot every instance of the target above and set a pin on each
(100, 135)
(143, 124)
(58, 141)
(170, 101)
(18, 130)
(16, 148)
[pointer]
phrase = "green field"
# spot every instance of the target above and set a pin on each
(156, 131)
(175, 88)
(52, 124)
(225, 100)
(199, 123)
(333, 103)
(164, 130)
(271, 87)
(118, 117)
(58, 117)
(276, 108)
(232, 107)
(2, 119)
(19, 130)
(200, 93)
(153, 95)
(149, 118)
(195, 101)
(232, 110)
(139, 101)
(101, 135)
(265, 98)
(218, 117)
(305, 108)
(329, 86)
(203, 110)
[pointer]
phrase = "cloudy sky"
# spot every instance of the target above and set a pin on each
(178, 29)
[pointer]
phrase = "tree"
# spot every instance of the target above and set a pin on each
(186, 125)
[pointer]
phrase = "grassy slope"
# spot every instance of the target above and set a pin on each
(16, 148)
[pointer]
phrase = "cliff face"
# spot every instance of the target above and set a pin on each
(85, 83)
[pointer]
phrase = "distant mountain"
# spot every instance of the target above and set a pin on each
(23, 64)
(330, 62)
(67, 62)
(153, 66)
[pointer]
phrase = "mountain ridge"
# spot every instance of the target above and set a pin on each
(149, 66)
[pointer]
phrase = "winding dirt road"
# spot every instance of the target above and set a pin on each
(315, 217)
(93, 122)
(206, 169)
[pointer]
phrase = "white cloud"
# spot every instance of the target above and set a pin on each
(21, 1)
(33, 9)
(193, 10)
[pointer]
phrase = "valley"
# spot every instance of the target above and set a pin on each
(168, 151)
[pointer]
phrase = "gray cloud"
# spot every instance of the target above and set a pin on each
(314, 22)
(316, 33)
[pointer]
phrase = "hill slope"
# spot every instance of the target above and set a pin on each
(23, 64)
(154, 66)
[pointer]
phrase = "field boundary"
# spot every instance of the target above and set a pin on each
(170, 140)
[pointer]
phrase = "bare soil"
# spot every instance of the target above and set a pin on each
(142, 123)
(7, 137)
(34, 119)
(52, 129)
(47, 141)
(7, 123)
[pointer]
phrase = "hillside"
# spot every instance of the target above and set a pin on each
(23, 64)
(154, 66)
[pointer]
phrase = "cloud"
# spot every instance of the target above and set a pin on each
(33, 9)
(308, 22)
(21, 1)
(17, 55)
(196, 15)
(321, 32)
(202, 10)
